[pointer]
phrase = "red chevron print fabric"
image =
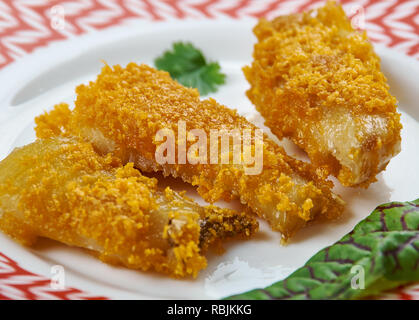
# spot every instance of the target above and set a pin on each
(26, 25)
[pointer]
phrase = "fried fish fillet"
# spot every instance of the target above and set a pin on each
(60, 188)
(124, 109)
(318, 81)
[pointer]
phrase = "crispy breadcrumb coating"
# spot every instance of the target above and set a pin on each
(122, 111)
(60, 188)
(318, 81)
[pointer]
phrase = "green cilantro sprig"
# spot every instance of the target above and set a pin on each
(187, 64)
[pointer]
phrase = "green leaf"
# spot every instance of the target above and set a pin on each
(187, 64)
(385, 246)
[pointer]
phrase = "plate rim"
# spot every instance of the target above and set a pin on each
(107, 37)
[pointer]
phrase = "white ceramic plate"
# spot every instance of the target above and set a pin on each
(38, 81)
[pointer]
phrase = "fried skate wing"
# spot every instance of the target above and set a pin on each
(60, 188)
(318, 81)
(124, 109)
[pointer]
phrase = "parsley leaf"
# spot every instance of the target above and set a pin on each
(187, 64)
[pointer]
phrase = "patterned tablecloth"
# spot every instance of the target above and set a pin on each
(26, 25)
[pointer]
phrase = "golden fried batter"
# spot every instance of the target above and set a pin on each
(62, 189)
(122, 111)
(318, 81)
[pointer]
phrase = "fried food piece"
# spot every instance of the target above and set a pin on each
(318, 81)
(60, 188)
(122, 111)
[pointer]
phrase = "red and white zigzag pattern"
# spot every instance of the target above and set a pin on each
(16, 283)
(27, 24)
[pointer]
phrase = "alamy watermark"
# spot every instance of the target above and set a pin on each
(220, 147)
(358, 17)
